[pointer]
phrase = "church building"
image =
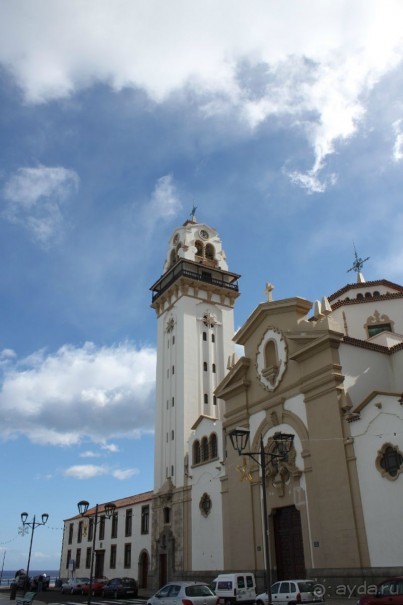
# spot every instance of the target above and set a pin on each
(328, 373)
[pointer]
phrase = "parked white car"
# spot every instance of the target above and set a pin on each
(291, 592)
(187, 593)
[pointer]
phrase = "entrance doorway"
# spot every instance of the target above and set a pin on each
(143, 570)
(288, 543)
(163, 569)
(99, 563)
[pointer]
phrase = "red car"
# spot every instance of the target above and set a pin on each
(388, 592)
(96, 586)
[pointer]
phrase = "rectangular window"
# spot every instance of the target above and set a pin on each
(172, 471)
(68, 558)
(173, 370)
(173, 401)
(204, 335)
(102, 528)
(145, 519)
(205, 398)
(213, 338)
(172, 435)
(71, 533)
(91, 529)
(80, 532)
(128, 522)
(128, 555)
(114, 528)
(112, 557)
(88, 558)
(78, 558)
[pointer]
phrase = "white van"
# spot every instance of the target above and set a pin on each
(237, 587)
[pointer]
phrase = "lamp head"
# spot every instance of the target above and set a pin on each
(83, 507)
(109, 508)
(284, 443)
(24, 517)
(45, 517)
(239, 438)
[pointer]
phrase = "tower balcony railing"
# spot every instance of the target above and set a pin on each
(180, 270)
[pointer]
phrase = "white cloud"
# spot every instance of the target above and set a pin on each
(85, 471)
(311, 62)
(125, 474)
(89, 471)
(34, 199)
(164, 200)
(89, 454)
(398, 145)
(77, 393)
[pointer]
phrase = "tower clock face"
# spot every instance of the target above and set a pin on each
(203, 234)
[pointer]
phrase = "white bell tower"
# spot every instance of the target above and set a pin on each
(194, 301)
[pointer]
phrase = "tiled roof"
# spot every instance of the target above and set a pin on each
(364, 344)
(121, 503)
(369, 284)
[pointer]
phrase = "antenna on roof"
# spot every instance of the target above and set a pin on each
(358, 265)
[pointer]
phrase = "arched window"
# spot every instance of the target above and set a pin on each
(204, 449)
(360, 296)
(213, 368)
(173, 257)
(205, 366)
(210, 252)
(196, 452)
(167, 514)
(199, 248)
(270, 354)
(205, 398)
(213, 446)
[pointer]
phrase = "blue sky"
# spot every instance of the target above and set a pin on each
(281, 121)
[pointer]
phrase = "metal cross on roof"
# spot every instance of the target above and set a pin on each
(193, 212)
(358, 263)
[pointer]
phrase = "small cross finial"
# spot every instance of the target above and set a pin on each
(193, 212)
(358, 262)
(269, 291)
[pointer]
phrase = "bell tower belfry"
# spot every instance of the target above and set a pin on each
(194, 300)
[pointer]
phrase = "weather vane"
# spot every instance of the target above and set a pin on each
(358, 263)
(192, 214)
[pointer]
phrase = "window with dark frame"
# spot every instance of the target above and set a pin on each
(102, 527)
(78, 558)
(80, 532)
(112, 557)
(71, 526)
(128, 522)
(88, 558)
(114, 526)
(90, 529)
(68, 558)
(145, 519)
(128, 555)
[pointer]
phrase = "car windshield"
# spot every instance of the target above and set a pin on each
(305, 586)
(198, 590)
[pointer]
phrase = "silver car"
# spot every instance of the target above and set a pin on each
(74, 585)
(291, 592)
(184, 593)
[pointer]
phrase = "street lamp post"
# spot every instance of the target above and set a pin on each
(33, 525)
(109, 509)
(239, 439)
